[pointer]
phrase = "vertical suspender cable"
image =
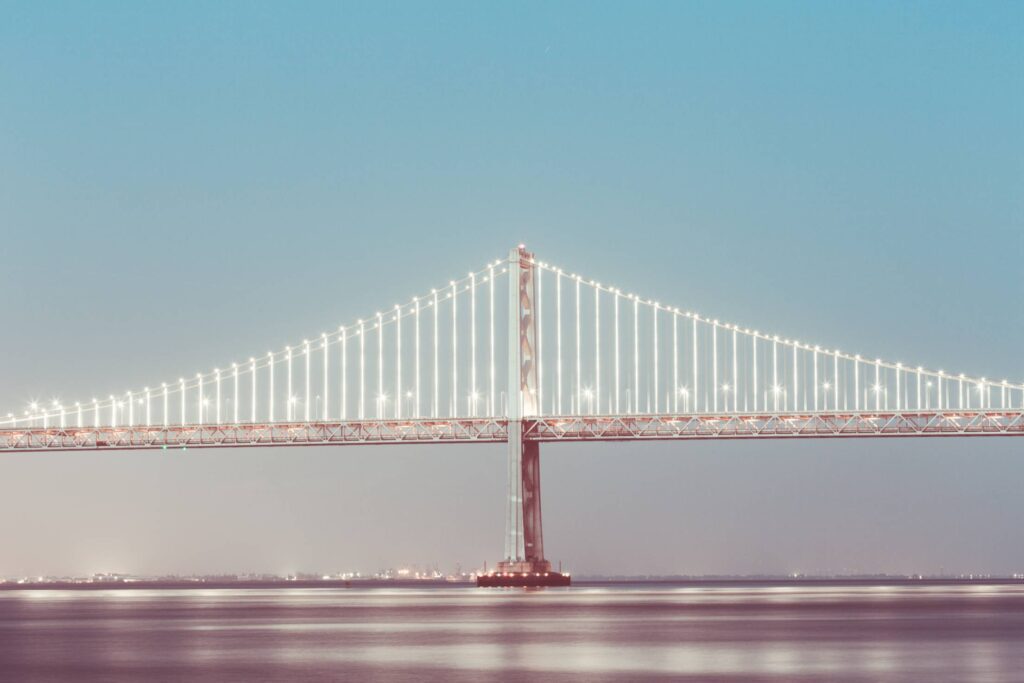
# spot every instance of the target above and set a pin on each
(472, 344)
(398, 361)
(579, 394)
(493, 409)
(455, 350)
(615, 299)
(597, 348)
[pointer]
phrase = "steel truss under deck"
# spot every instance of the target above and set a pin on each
(784, 425)
(541, 429)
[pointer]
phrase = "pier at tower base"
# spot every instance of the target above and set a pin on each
(523, 575)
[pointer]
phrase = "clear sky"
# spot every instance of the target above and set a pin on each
(183, 184)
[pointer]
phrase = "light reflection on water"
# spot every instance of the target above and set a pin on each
(908, 632)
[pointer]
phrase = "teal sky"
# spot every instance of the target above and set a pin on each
(183, 184)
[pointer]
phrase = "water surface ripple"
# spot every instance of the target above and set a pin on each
(601, 632)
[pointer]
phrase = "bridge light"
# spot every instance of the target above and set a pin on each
(826, 386)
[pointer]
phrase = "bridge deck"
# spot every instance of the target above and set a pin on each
(494, 430)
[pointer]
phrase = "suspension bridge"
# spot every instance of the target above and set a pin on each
(522, 352)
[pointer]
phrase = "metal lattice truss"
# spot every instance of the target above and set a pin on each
(660, 427)
(546, 429)
(248, 435)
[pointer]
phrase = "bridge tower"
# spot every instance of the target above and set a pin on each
(524, 563)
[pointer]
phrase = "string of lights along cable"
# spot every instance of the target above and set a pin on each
(599, 352)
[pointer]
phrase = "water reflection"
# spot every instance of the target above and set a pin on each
(612, 632)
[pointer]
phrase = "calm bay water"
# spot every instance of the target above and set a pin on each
(610, 632)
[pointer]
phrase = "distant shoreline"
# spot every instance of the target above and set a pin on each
(442, 583)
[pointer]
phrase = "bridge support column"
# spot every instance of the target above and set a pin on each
(533, 531)
(524, 532)
(524, 563)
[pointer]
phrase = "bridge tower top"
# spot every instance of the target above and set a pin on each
(522, 335)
